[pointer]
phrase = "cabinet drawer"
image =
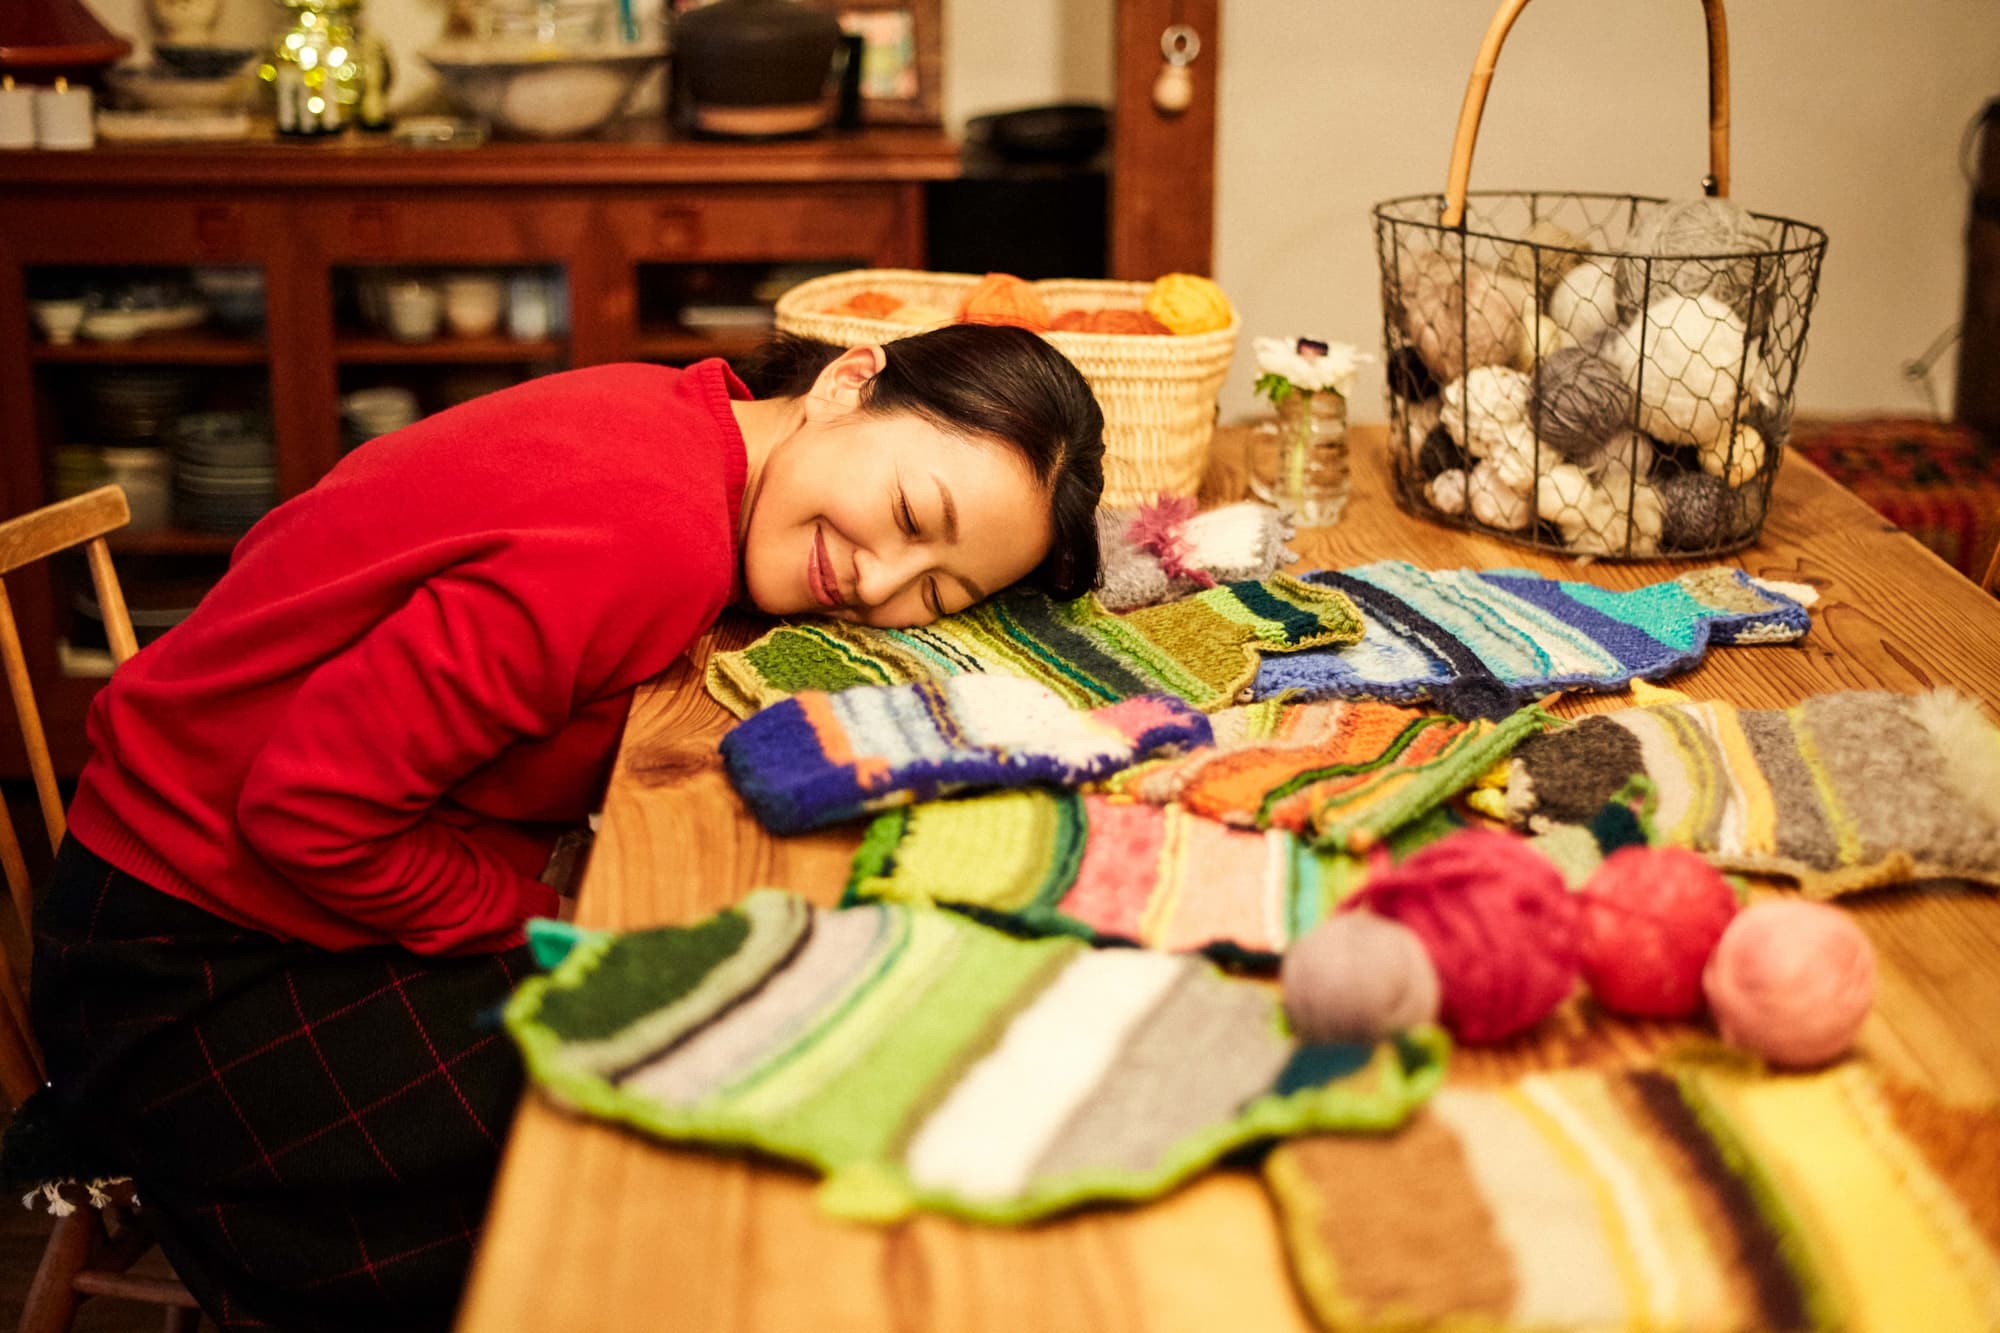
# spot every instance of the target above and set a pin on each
(127, 228)
(459, 227)
(876, 223)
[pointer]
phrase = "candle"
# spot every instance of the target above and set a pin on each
(17, 115)
(62, 116)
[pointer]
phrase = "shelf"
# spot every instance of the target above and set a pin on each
(671, 342)
(446, 350)
(196, 348)
(172, 541)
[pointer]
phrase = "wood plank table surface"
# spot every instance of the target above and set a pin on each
(595, 1228)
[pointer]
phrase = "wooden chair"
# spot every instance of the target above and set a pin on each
(91, 1250)
(1992, 580)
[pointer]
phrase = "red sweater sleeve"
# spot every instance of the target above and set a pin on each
(490, 652)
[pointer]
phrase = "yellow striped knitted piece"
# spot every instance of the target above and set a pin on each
(1696, 1198)
(1203, 648)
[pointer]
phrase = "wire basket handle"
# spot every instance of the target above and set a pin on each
(1717, 181)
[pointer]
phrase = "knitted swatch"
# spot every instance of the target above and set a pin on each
(816, 759)
(1342, 774)
(1846, 791)
(1203, 648)
(1480, 643)
(1694, 1198)
(921, 1060)
(1165, 550)
(1113, 871)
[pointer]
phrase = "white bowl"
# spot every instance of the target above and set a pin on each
(541, 92)
(59, 318)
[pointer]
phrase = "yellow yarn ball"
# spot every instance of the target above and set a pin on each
(1186, 303)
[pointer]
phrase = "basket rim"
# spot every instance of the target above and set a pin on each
(1814, 239)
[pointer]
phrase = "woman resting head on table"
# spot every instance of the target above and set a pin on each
(318, 812)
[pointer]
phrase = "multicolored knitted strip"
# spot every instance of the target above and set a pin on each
(817, 759)
(1481, 643)
(1166, 550)
(1203, 648)
(1343, 774)
(1113, 871)
(1846, 791)
(922, 1060)
(1693, 1198)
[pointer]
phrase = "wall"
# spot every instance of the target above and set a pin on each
(1847, 114)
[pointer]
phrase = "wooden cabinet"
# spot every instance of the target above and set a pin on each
(632, 235)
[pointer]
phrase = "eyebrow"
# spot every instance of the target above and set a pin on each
(950, 510)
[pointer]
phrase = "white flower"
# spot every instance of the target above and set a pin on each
(1310, 366)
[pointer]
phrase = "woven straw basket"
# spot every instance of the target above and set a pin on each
(1158, 391)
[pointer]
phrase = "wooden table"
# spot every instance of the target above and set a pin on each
(593, 1228)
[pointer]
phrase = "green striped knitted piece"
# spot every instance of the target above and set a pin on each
(924, 1061)
(1203, 648)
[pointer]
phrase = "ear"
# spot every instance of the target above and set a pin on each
(837, 390)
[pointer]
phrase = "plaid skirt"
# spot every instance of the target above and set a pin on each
(313, 1134)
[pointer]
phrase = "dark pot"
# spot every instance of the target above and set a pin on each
(742, 59)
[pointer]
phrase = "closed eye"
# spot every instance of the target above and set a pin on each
(906, 517)
(933, 598)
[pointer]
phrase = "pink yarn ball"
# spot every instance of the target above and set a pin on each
(1651, 918)
(1791, 980)
(1357, 977)
(1498, 923)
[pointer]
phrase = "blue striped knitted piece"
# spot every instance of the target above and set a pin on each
(816, 758)
(1480, 643)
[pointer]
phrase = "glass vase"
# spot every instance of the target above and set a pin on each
(1298, 460)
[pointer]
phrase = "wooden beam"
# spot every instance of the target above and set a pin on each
(1162, 164)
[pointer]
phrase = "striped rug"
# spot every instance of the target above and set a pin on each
(1697, 1197)
(921, 1060)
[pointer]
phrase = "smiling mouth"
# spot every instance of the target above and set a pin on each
(819, 572)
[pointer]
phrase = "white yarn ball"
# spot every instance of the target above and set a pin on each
(1446, 492)
(1735, 459)
(1693, 347)
(1454, 326)
(1494, 503)
(1541, 338)
(1575, 504)
(1487, 409)
(1585, 302)
(1624, 454)
(1547, 243)
(1418, 422)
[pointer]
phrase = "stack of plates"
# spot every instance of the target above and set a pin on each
(134, 404)
(225, 474)
(377, 411)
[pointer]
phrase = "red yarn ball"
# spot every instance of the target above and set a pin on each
(1651, 918)
(1499, 924)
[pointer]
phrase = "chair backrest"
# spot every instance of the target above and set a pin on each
(34, 536)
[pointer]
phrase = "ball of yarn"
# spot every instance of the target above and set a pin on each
(1447, 492)
(1107, 321)
(1698, 247)
(1575, 505)
(1494, 501)
(1438, 454)
(1699, 511)
(1187, 303)
(1633, 517)
(1651, 919)
(1791, 980)
(1409, 378)
(1002, 298)
(1581, 401)
(1735, 456)
(1686, 379)
(917, 315)
(1584, 303)
(869, 304)
(1487, 410)
(1545, 252)
(1456, 325)
(1497, 921)
(1357, 977)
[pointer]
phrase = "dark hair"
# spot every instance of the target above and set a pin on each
(991, 380)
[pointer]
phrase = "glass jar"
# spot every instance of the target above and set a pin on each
(146, 474)
(315, 70)
(1298, 460)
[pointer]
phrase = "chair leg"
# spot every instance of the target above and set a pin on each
(52, 1299)
(180, 1319)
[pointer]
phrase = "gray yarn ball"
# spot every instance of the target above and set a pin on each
(1700, 512)
(1700, 229)
(1581, 401)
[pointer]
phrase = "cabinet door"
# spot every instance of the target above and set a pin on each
(715, 251)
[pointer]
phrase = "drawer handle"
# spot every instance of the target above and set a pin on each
(218, 230)
(677, 229)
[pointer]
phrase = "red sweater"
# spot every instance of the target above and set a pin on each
(430, 649)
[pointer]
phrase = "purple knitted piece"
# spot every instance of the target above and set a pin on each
(815, 758)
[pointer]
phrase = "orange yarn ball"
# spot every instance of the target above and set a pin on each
(1070, 321)
(869, 305)
(1002, 298)
(1133, 322)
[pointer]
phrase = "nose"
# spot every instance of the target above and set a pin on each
(880, 576)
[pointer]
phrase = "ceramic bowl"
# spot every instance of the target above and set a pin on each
(59, 319)
(158, 89)
(203, 62)
(538, 91)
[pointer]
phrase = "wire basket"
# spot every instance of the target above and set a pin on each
(1606, 375)
(1157, 391)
